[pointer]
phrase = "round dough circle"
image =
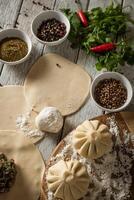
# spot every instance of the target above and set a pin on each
(13, 104)
(57, 82)
(29, 162)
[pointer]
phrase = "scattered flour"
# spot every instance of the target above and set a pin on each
(110, 177)
(50, 195)
(23, 123)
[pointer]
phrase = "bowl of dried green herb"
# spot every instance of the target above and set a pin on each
(15, 46)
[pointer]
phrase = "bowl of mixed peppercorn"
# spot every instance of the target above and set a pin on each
(111, 91)
(51, 27)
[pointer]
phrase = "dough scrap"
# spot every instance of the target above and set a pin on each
(13, 104)
(57, 82)
(29, 163)
(92, 139)
(68, 180)
(49, 120)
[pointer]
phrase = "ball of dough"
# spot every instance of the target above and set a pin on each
(68, 180)
(49, 120)
(92, 139)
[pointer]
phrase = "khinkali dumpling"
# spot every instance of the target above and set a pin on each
(68, 180)
(92, 139)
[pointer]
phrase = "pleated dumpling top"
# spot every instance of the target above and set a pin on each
(92, 139)
(68, 180)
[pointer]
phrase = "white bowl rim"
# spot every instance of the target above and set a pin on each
(48, 11)
(29, 50)
(106, 109)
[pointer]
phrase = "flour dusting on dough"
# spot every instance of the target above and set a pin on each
(23, 123)
(110, 176)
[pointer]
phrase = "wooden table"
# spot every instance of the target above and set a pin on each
(19, 14)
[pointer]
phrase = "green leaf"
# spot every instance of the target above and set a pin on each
(99, 66)
(75, 22)
(104, 26)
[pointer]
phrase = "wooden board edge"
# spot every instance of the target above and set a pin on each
(129, 119)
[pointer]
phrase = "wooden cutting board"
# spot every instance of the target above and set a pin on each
(129, 119)
(124, 120)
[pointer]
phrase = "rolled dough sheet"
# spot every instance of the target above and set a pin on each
(55, 81)
(29, 162)
(13, 104)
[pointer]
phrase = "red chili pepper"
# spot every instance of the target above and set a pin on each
(103, 47)
(82, 18)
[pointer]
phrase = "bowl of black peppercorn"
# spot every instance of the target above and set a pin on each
(111, 91)
(50, 27)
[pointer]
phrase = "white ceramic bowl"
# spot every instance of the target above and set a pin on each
(48, 15)
(9, 33)
(117, 76)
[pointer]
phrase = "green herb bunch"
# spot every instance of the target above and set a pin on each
(104, 26)
(7, 173)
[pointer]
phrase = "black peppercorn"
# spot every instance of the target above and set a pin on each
(51, 30)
